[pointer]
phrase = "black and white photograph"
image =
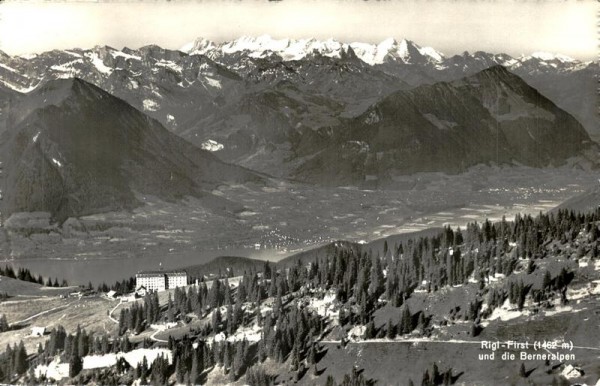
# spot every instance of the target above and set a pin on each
(300, 192)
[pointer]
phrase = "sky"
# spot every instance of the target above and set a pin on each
(515, 27)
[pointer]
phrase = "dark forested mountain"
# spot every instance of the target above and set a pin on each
(567, 82)
(72, 148)
(492, 116)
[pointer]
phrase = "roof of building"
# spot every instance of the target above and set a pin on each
(160, 273)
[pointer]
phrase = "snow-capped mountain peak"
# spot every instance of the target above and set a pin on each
(432, 53)
(199, 46)
(287, 49)
(390, 49)
(548, 57)
(262, 46)
(256, 45)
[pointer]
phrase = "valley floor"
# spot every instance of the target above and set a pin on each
(281, 220)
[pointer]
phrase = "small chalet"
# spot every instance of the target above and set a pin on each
(141, 291)
(38, 331)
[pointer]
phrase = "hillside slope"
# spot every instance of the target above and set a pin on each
(490, 117)
(74, 149)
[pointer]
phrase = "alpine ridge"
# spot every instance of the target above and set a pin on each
(259, 102)
(74, 149)
(490, 117)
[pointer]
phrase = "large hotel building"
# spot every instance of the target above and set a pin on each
(160, 280)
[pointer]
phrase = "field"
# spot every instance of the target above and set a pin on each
(90, 313)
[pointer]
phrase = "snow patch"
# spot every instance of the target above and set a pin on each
(505, 312)
(356, 333)
(590, 289)
(35, 137)
(496, 277)
(595, 287)
(28, 56)
(170, 65)
(122, 54)
(163, 326)
(171, 120)
(324, 307)
(8, 68)
(21, 89)
(250, 334)
(213, 82)
(75, 54)
(150, 105)
(560, 309)
(204, 67)
(66, 67)
(504, 315)
(211, 145)
(57, 162)
(133, 357)
(430, 52)
(133, 84)
(571, 371)
(54, 370)
(98, 63)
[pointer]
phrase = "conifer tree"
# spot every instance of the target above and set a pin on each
(196, 369)
(370, 330)
(405, 321)
(75, 362)
(522, 371)
(3, 323)
(390, 329)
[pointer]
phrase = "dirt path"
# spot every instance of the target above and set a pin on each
(42, 313)
(402, 341)
(113, 310)
(431, 341)
(154, 338)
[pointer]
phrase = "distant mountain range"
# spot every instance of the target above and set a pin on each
(389, 50)
(289, 107)
(570, 83)
(74, 149)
